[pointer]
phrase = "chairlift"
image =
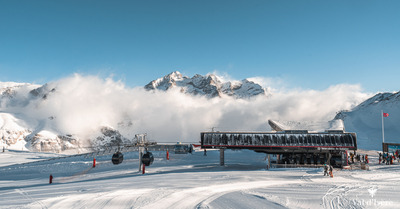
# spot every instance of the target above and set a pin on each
(184, 148)
(117, 158)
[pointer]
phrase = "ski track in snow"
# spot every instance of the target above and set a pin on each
(201, 197)
(336, 197)
(28, 197)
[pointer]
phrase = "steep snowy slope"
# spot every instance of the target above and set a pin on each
(12, 131)
(366, 120)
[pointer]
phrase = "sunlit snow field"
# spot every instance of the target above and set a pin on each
(189, 181)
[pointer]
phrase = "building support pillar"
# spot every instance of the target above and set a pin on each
(329, 159)
(222, 157)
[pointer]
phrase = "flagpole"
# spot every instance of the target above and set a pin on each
(383, 129)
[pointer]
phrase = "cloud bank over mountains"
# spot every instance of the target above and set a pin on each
(78, 106)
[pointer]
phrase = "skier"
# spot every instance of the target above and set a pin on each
(331, 171)
(352, 157)
(384, 158)
(205, 152)
(191, 149)
(366, 159)
(326, 169)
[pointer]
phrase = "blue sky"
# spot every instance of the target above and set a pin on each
(307, 44)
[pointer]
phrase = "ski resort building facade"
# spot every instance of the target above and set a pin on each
(291, 146)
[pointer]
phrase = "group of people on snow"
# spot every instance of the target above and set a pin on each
(387, 158)
(358, 158)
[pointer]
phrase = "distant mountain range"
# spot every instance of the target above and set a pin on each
(210, 86)
(40, 132)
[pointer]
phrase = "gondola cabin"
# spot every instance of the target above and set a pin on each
(147, 158)
(117, 158)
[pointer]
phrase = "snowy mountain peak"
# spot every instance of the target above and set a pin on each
(9, 89)
(42, 91)
(165, 82)
(379, 99)
(366, 120)
(209, 85)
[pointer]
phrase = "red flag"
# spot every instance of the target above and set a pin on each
(385, 114)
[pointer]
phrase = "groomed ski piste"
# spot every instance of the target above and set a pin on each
(189, 181)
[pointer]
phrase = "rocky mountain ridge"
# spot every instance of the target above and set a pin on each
(210, 86)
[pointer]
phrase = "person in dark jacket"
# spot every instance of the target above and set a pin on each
(326, 167)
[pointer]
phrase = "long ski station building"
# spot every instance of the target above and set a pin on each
(291, 146)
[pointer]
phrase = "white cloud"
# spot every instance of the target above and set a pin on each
(81, 104)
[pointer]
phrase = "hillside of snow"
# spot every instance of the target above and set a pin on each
(12, 131)
(366, 120)
(189, 181)
(30, 119)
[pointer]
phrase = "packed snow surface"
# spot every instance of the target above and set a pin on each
(188, 181)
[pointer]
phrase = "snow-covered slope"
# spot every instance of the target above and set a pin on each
(12, 131)
(190, 181)
(8, 89)
(210, 86)
(27, 121)
(366, 120)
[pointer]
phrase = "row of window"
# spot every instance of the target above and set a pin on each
(279, 139)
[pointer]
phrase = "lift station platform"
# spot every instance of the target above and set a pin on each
(293, 145)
